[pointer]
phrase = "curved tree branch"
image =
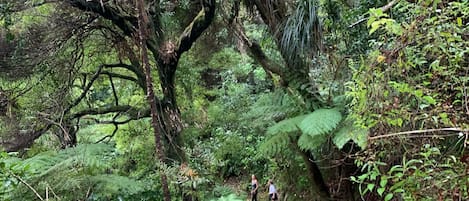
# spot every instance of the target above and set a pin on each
(117, 75)
(196, 27)
(127, 109)
(85, 90)
(125, 22)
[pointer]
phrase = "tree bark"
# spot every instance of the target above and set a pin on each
(155, 121)
(319, 185)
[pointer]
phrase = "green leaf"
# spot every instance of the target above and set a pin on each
(342, 136)
(388, 197)
(374, 26)
(396, 28)
(380, 191)
(459, 21)
(276, 143)
(429, 100)
(286, 126)
(360, 137)
(370, 187)
(320, 122)
(383, 182)
(311, 143)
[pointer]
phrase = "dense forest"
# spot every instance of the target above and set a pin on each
(188, 99)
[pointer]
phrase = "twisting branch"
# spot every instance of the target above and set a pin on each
(98, 121)
(85, 90)
(95, 77)
(113, 90)
(117, 75)
(116, 127)
(138, 72)
(256, 51)
(196, 27)
(96, 111)
(122, 20)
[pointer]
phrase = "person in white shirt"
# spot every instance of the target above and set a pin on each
(273, 195)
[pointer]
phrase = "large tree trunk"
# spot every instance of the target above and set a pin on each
(318, 183)
(167, 55)
(155, 120)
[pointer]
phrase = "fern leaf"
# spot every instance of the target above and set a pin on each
(311, 143)
(286, 126)
(277, 143)
(360, 137)
(342, 136)
(349, 132)
(108, 185)
(320, 122)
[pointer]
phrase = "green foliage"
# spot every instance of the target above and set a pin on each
(302, 33)
(320, 122)
(76, 172)
(230, 197)
(379, 19)
(349, 132)
(287, 125)
(426, 176)
(311, 131)
(419, 74)
(279, 141)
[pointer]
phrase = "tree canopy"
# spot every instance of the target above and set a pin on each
(186, 99)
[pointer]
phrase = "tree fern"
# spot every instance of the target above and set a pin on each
(108, 185)
(311, 143)
(286, 126)
(312, 130)
(320, 122)
(275, 105)
(72, 172)
(277, 143)
(350, 132)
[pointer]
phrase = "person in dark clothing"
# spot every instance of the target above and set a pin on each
(254, 187)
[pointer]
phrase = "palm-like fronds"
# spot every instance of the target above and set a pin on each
(277, 143)
(75, 172)
(312, 130)
(320, 122)
(301, 34)
(350, 132)
(311, 143)
(273, 107)
(287, 125)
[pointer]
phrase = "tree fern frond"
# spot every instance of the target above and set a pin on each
(71, 172)
(320, 122)
(350, 132)
(311, 143)
(83, 155)
(342, 136)
(286, 126)
(277, 143)
(277, 104)
(109, 185)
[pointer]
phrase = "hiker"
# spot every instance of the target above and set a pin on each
(273, 195)
(254, 188)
